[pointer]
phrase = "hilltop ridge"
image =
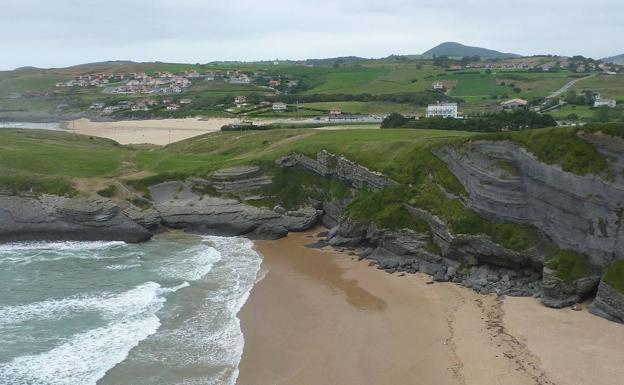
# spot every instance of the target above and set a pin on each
(453, 49)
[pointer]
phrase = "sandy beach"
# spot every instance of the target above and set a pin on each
(165, 131)
(160, 132)
(323, 317)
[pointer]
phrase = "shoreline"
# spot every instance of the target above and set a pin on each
(156, 131)
(325, 309)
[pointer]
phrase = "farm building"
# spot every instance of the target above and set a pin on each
(513, 104)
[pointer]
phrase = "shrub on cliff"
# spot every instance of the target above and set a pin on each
(615, 276)
(568, 264)
(386, 209)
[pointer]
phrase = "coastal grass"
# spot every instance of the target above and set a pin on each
(386, 209)
(559, 146)
(568, 264)
(405, 155)
(58, 154)
(293, 187)
(615, 276)
(35, 185)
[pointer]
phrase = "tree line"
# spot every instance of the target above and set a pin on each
(500, 121)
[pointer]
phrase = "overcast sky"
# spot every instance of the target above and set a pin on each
(58, 33)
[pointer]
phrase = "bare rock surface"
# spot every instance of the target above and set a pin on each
(578, 212)
(179, 207)
(53, 218)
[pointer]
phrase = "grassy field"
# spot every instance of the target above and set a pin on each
(609, 86)
(478, 91)
(583, 112)
(58, 154)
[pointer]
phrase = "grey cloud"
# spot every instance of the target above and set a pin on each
(65, 32)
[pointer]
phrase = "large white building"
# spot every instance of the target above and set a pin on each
(445, 110)
(280, 107)
(605, 102)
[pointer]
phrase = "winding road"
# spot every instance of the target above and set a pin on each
(568, 85)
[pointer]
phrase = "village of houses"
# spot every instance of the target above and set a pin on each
(167, 83)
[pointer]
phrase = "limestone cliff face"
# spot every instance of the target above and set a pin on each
(506, 183)
(179, 206)
(330, 165)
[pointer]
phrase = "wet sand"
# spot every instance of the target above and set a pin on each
(322, 317)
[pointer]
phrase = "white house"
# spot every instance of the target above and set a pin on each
(438, 86)
(445, 110)
(279, 107)
(599, 102)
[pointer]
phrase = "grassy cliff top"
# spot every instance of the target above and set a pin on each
(403, 154)
(56, 162)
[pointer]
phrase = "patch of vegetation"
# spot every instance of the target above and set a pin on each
(463, 220)
(514, 121)
(433, 248)
(108, 192)
(615, 276)
(509, 169)
(294, 187)
(35, 185)
(568, 264)
(141, 202)
(560, 146)
(386, 209)
(611, 129)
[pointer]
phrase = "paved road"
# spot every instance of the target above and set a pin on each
(568, 85)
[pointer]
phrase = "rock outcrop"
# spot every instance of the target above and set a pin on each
(241, 179)
(506, 183)
(557, 293)
(609, 303)
(582, 213)
(54, 218)
(179, 207)
(407, 251)
(330, 165)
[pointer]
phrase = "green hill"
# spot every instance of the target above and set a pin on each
(453, 49)
(618, 59)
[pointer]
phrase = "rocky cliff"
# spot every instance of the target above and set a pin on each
(506, 183)
(55, 218)
(179, 206)
(335, 166)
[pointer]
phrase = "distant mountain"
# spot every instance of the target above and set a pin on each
(452, 49)
(27, 68)
(619, 59)
(334, 60)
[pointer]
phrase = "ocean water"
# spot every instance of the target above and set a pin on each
(162, 312)
(34, 126)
